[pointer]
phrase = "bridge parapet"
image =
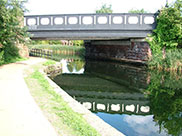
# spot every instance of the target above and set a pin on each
(91, 21)
(115, 23)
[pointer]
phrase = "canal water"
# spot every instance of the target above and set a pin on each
(131, 99)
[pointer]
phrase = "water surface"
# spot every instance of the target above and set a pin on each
(131, 99)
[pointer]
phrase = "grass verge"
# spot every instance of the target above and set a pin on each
(61, 51)
(49, 62)
(171, 62)
(62, 117)
(56, 47)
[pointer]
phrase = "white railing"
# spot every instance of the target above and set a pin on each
(123, 21)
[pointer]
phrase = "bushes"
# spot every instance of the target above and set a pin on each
(57, 42)
(166, 38)
(78, 43)
(168, 33)
(137, 11)
(11, 29)
(105, 9)
(56, 47)
(50, 42)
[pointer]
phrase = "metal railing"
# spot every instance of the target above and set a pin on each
(122, 21)
(41, 53)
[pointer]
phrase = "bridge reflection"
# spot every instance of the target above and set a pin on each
(115, 106)
(99, 90)
(110, 101)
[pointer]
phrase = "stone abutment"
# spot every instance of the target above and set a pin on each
(131, 50)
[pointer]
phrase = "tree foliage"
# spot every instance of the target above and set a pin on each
(137, 11)
(168, 33)
(56, 42)
(12, 31)
(105, 9)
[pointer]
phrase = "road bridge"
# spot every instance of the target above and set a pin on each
(107, 36)
(90, 26)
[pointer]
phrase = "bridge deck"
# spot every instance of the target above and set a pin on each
(90, 26)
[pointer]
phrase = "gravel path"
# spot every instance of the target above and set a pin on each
(19, 114)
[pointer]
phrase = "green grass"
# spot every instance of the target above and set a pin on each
(62, 117)
(49, 62)
(171, 62)
(61, 51)
(56, 47)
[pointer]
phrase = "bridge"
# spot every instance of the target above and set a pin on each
(90, 26)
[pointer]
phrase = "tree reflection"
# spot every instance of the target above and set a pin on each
(165, 95)
(75, 65)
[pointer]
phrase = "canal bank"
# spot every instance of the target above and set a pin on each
(74, 116)
(20, 106)
(103, 128)
(20, 115)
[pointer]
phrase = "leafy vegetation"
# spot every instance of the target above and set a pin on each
(56, 47)
(105, 9)
(60, 51)
(61, 115)
(171, 62)
(78, 43)
(137, 11)
(56, 42)
(49, 62)
(168, 33)
(47, 42)
(167, 37)
(12, 31)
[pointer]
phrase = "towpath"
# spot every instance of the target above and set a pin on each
(19, 114)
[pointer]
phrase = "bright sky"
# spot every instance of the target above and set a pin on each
(40, 7)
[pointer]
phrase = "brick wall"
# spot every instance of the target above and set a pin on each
(118, 50)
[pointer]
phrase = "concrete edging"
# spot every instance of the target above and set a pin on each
(102, 127)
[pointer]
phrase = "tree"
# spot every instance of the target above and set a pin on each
(137, 11)
(11, 30)
(105, 9)
(168, 33)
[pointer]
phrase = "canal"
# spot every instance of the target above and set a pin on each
(133, 100)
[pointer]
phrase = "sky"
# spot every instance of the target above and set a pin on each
(40, 7)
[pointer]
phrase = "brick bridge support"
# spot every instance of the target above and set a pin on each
(130, 50)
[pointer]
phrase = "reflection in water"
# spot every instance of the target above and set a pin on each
(132, 125)
(165, 95)
(72, 66)
(134, 101)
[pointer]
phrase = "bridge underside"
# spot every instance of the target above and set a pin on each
(87, 34)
